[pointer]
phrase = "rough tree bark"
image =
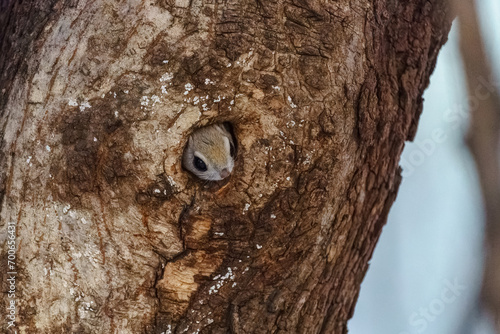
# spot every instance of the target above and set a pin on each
(113, 236)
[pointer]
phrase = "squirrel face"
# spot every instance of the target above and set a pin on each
(210, 153)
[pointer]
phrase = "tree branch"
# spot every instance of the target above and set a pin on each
(483, 142)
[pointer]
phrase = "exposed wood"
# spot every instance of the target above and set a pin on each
(98, 98)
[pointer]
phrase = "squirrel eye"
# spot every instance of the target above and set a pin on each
(231, 150)
(199, 164)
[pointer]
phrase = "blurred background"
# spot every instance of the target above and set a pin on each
(425, 275)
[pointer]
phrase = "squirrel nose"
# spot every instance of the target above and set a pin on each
(224, 173)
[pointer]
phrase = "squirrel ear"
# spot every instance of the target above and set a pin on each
(220, 128)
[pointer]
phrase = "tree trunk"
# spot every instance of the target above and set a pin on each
(111, 235)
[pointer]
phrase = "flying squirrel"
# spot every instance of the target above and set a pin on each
(210, 152)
